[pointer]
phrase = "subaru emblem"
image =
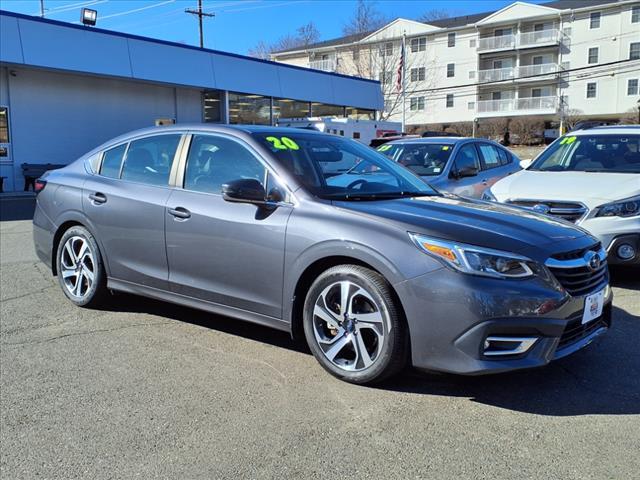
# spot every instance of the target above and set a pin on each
(593, 260)
(541, 208)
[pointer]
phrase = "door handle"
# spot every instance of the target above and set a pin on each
(98, 197)
(180, 212)
(484, 180)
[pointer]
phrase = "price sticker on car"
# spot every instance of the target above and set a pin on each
(593, 305)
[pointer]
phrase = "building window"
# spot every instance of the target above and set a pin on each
(472, 43)
(594, 20)
(386, 49)
(472, 74)
(632, 86)
(360, 113)
(287, 108)
(634, 51)
(593, 55)
(418, 44)
(449, 100)
(385, 78)
(356, 55)
(416, 103)
(212, 110)
(356, 135)
(249, 109)
(635, 14)
(591, 90)
(4, 125)
(471, 105)
(451, 70)
(451, 40)
(324, 110)
(418, 74)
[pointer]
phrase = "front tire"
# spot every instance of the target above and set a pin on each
(80, 269)
(353, 325)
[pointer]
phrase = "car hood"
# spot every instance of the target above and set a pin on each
(590, 188)
(471, 221)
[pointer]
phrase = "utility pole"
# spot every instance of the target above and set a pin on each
(42, 8)
(200, 14)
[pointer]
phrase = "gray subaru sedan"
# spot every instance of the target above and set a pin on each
(322, 237)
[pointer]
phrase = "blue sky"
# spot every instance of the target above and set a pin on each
(239, 24)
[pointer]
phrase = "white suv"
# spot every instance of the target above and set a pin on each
(588, 177)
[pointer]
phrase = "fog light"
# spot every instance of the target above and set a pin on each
(500, 346)
(626, 251)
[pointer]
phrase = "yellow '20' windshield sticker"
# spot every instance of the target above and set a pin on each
(283, 143)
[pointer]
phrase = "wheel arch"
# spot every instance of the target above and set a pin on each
(315, 269)
(66, 223)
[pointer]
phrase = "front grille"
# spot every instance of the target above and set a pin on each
(574, 272)
(569, 211)
(576, 330)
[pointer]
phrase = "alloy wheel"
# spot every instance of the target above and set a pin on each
(78, 266)
(349, 326)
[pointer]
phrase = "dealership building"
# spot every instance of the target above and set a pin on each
(65, 89)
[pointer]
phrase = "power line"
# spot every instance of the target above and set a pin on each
(200, 14)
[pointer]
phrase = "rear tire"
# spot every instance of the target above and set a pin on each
(354, 326)
(80, 269)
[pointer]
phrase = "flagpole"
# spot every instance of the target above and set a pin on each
(404, 102)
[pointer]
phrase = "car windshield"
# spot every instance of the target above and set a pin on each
(425, 159)
(591, 153)
(336, 168)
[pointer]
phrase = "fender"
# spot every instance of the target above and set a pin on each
(334, 248)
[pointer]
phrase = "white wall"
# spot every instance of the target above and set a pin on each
(57, 117)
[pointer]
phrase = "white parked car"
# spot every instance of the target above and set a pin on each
(588, 177)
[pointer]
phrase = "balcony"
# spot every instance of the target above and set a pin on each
(327, 64)
(517, 106)
(539, 69)
(496, 74)
(540, 38)
(503, 42)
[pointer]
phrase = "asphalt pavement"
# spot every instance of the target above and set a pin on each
(150, 390)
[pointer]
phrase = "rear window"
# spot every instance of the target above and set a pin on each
(425, 159)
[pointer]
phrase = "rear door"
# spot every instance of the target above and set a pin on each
(496, 163)
(126, 205)
(222, 252)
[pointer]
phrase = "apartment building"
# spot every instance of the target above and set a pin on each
(550, 62)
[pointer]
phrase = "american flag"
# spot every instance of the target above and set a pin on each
(399, 82)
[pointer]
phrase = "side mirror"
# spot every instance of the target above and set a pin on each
(524, 164)
(244, 190)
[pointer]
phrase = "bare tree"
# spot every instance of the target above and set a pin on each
(493, 128)
(526, 130)
(304, 36)
(366, 18)
(631, 116)
(434, 14)
(571, 117)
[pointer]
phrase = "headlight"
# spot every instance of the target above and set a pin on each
(629, 207)
(477, 260)
(488, 196)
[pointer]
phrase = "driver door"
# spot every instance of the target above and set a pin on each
(470, 186)
(222, 252)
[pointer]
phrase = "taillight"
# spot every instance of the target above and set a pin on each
(39, 185)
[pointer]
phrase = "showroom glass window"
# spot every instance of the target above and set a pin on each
(287, 108)
(249, 109)
(149, 160)
(324, 110)
(213, 161)
(212, 107)
(360, 113)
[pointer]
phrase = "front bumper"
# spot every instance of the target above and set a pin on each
(613, 232)
(450, 315)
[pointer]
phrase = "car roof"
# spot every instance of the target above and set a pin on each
(608, 130)
(437, 140)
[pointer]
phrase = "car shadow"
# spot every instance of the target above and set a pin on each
(625, 277)
(603, 378)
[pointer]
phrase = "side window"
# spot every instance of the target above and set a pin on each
(467, 158)
(112, 160)
(214, 161)
(149, 159)
(490, 156)
(505, 157)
